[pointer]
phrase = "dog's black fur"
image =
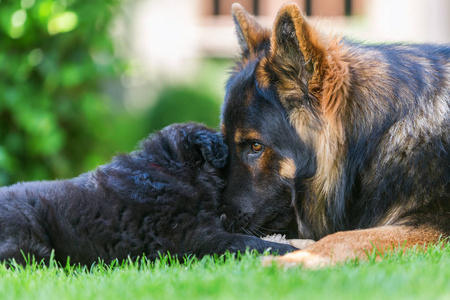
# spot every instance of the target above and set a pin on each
(161, 198)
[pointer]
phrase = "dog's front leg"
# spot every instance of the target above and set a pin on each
(357, 244)
(220, 242)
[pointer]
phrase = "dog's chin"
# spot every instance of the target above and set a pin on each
(260, 225)
(280, 224)
(273, 225)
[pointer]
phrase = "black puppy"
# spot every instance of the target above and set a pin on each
(161, 198)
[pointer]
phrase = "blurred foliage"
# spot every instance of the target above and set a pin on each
(56, 118)
(177, 104)
(198, 101)
(54, 56)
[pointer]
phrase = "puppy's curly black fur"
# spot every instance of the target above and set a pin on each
(161, 198)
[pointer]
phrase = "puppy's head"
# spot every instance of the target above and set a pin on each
(192, 155)
(180, 157)
(191, 144)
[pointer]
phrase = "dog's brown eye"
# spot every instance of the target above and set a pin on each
(257, 147)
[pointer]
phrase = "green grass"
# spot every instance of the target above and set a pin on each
(414, 275)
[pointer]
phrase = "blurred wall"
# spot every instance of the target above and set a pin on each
(165, 37)
(409, 20)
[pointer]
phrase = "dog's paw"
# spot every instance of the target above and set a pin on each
(213, 148)
(301, 243)
(304, 258)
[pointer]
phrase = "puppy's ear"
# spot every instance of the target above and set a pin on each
(213, 148)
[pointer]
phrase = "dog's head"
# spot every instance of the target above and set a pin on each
(264, 158)
(275, 110)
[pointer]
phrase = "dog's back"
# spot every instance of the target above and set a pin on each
(397, 123)
(37, 217)
(24, 212)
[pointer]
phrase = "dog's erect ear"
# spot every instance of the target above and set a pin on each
(213, 148)
(250, 33)
(310, 59)
(295, 40)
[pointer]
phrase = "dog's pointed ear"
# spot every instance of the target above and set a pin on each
(301, 54)
(249, 32)
(294, 40)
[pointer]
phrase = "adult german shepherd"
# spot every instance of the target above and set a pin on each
(336, 141)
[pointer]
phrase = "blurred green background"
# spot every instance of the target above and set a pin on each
(61, 113)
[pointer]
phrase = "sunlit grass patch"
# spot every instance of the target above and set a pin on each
(413, 274)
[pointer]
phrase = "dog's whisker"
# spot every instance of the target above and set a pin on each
(257, 232)
(254, 232)
(271, 230)
(246, 231)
